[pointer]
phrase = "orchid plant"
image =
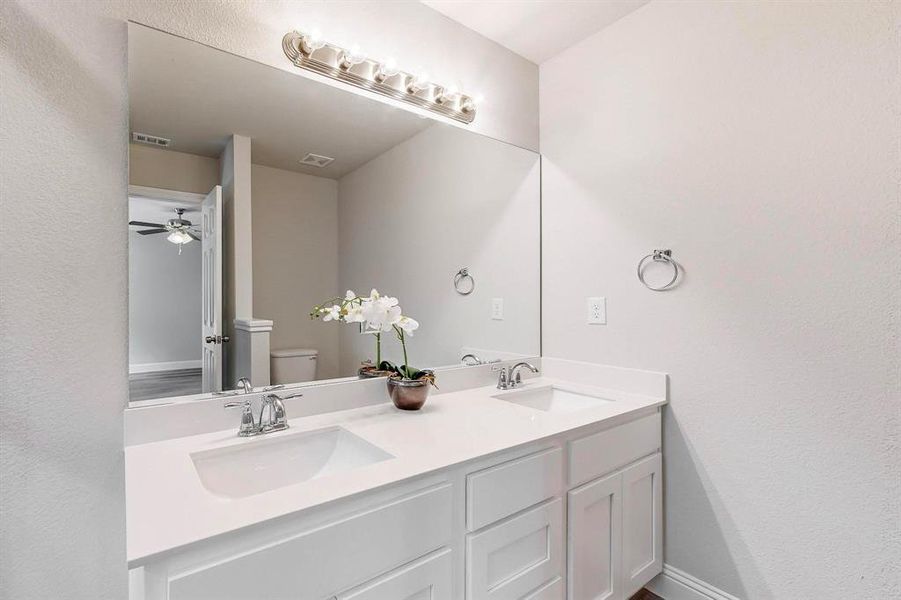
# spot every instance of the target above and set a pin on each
(376, 314)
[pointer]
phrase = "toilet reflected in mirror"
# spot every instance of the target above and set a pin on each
(293, 365)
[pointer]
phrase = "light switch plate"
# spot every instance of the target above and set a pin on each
(497, 309)
(597, 310)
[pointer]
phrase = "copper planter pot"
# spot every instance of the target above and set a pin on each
(408, 394)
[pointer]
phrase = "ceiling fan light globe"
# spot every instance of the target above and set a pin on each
(178, 237)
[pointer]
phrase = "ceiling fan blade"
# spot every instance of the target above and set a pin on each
(193, 235)
(150, 231)
(145, 224)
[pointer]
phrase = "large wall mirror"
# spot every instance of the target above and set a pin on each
(257, 194)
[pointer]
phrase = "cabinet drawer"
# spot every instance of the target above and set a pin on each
(318, 562)
(504, 489)
(426, 579)
(518, 558)
(598, 454)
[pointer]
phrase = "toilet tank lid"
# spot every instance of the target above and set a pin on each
(287, 352)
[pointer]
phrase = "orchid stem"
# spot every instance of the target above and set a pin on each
(378, 349)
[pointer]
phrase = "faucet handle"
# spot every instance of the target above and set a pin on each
(248, 426)
(237, 403)
(278, 417)
(501, 378)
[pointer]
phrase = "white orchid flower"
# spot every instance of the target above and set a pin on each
(355, 314)
(332, 314)
(408, 324)
(380, 312)
(350, 295)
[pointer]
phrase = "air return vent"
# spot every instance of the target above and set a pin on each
(145, 138)
(316, 160)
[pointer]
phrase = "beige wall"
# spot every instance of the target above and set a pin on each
(412, 217)
(295, 259)
(759, 141)
(65, 129)
(171, 170)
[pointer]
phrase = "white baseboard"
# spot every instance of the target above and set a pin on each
(674, 584)
(165, 366)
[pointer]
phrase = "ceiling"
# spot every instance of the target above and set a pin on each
(152, 210)
(536, 29)
(199, 96)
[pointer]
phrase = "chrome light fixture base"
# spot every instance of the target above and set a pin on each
(343, 65)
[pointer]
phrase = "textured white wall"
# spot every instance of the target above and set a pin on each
(295, 259)
(409, 219)
(760, 141)
(63, 270)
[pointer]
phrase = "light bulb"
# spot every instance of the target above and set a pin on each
(313, 40)
(179, 237)
(447, 94)
(469, 103)
(419, 81)
(387, 68)
(352, 57)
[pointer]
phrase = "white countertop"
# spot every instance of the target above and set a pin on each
(168, 507)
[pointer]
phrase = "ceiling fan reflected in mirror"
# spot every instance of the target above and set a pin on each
(181, 231)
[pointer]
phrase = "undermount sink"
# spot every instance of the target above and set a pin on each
(552, 399)
(262, 465)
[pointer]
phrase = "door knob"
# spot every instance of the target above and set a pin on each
(216, 339)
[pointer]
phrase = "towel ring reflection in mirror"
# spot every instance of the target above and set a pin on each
(460, 282)
(660, 256)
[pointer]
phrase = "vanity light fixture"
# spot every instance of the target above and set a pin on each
(309, 51)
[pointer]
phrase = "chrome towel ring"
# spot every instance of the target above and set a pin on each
(460, 284)
(661, 256)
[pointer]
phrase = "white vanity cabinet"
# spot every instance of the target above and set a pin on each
(615, 521)
(430, 578)
(576, 516)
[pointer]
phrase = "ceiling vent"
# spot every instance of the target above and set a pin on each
(316, 160)
(153, 140)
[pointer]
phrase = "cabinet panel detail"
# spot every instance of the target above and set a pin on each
(596, 455)
(552, 590)
(326, 559)
(507, 488)
(594, 528)
(426, 579)
(642, 523)
(516, 557)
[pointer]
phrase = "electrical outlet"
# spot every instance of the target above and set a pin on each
(497, 309)
(597, 311)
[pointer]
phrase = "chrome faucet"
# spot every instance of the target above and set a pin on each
(508, 379)
(478, 361)
(245, 387)
(273, 416)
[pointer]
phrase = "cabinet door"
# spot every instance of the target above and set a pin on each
(426, 579)
(594, 526)
(517, 558)
(642, 523)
